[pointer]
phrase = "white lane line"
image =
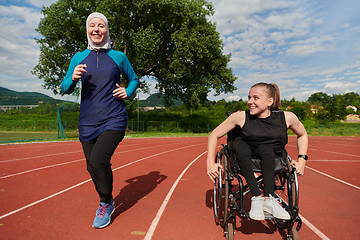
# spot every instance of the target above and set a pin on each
(326, 160)
(322, 150)
(56, 154)
(60, 164)
(37, 169)
(334, 178)
(41, 200)
(77, 185)
(42, 156)
(156, 220)
(313, 228)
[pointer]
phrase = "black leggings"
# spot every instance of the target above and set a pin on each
(267, 155)
(98, 153)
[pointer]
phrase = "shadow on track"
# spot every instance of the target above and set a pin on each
(137, 188)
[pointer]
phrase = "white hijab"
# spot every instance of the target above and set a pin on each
(104, 45)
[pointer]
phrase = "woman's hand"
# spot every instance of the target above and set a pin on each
(78, 72)
(120, 92)
(213, 170)
(299, 165)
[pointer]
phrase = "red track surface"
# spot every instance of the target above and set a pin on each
(46, 192)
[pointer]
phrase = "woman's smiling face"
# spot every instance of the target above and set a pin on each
(259, 102)
(97, 30)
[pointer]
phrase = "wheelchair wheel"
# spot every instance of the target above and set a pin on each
(287, 189)
(227, 187)
(292, 233)
(218, 189)
(230, 231)
(219, 193)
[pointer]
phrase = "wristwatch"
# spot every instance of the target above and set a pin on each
(304, 156)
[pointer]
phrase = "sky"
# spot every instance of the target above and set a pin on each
(304, 46)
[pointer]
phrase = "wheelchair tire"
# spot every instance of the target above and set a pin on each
(219, 194)
(227, 183)
(230, 231)
(292, 234)
(287, 189)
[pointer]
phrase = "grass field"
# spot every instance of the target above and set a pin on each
(9, 137)
(13, 137)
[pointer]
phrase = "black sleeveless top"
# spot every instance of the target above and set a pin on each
(271, 130)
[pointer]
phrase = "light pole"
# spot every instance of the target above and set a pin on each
(138, 111)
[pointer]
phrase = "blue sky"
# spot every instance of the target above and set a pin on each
(304, 46)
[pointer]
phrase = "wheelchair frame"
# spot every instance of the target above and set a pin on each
(228, 203)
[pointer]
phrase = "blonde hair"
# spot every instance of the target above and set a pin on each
(272, 91)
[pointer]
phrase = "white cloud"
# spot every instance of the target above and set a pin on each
(340, 87)
(233, 98)
(355, 29)
(310, 49)
(304, 46)
(19, 52)
(40, 3)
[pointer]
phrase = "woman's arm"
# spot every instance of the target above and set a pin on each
(233, 120)
(68, 84)
(127, 70)
(74, 72)
(298, 128)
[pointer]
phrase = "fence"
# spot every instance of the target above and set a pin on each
(345, 129)
(169, 126)
(14, 130)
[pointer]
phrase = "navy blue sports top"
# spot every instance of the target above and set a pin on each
(271, 130)
(99, 109)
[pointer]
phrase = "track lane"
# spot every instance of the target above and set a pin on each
(139, 190)
(171, 154)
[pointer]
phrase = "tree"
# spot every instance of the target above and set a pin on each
(169, 40)
(352, 98)
(319, 97)
(299, 109)
(336, 108)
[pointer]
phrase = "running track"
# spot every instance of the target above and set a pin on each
(161, 191)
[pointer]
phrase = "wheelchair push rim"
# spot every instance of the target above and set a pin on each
(221, 192)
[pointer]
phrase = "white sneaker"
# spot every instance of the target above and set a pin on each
(257, 211)
(272, 206)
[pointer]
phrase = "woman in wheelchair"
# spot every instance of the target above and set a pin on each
(263, 134)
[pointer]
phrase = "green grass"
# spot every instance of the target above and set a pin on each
(12, 137)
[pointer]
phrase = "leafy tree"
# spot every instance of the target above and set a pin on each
(299, 109)
(319, 97)
(352, 99)
(171, 41)
(336, 108)
(286, 103)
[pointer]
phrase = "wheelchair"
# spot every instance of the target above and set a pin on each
(229, 197)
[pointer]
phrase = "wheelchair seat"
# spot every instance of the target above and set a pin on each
(280, 160)
(280, 163)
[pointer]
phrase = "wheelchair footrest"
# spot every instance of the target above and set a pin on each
(268, 216)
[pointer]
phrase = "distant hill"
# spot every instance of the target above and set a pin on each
(156, 100)
(10, 97)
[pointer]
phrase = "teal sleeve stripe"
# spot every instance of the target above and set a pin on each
(68, 85)
(125, 67)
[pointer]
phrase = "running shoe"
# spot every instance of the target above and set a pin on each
(103, 214)
(272, 206)
(256, 211)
